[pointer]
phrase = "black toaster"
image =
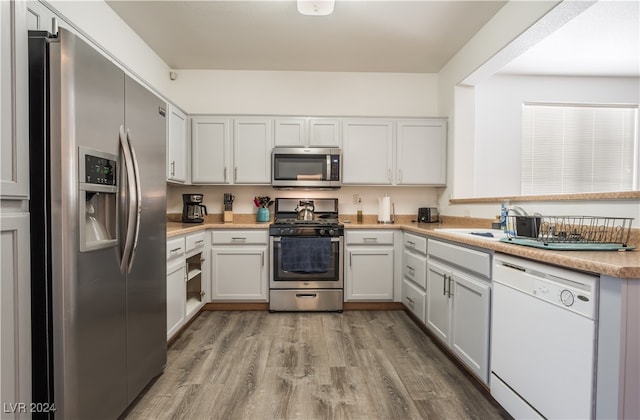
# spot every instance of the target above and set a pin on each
(428, 215)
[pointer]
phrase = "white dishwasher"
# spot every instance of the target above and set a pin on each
(543, 340)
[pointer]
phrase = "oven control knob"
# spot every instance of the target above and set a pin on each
(331, 232)
(321, 232)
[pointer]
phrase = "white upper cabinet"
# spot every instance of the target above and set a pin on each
(252, 144)
(14, 134)
(290, 132)
(367, 152)
(210, 150)
(176, 145)
(231, 151)
(421, 152)
(307, 132)
(324, 132)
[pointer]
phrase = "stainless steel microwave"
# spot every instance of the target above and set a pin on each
(299, 167)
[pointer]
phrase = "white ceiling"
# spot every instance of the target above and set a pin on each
(418, 36)
(360, 36)
(604, 40)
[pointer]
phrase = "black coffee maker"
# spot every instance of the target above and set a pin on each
(193, 209)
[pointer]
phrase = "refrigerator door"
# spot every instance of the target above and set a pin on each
(146, 283)
(89, 291)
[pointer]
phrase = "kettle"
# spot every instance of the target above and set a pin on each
(305, 210)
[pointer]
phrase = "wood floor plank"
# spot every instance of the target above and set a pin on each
(257, 365)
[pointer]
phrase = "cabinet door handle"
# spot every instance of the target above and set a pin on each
(370, 239)
(411, 268)
(173, 168)
(225, 174)
(450, 280)
(350, 259)
(174, 250)
(239, 238)
(411, 302)
(413, 244)
(444, 285)
(262, 257)
(389, 174)
(235, 174)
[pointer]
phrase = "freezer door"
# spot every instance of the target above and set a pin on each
(89, 312)
(146, 282)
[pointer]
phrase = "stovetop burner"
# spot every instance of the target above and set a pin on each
(316, 222)
(325, 218)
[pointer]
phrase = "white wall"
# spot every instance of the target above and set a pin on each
(305, 93)
(498, 125)
(406, 199)
(96, 20)
(515, 27)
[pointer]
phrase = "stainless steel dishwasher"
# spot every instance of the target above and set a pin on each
(543, 339)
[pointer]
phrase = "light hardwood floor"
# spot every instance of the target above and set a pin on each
(352, 365)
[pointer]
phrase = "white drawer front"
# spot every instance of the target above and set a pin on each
(469, 259)
(414, 268)
(175, 248)
(195, 241)
(369, 237)
(239, 237)
(415, 242)
(414, 299)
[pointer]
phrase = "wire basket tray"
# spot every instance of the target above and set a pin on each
(571, 229)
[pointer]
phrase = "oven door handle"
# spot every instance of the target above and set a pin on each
(278, 238)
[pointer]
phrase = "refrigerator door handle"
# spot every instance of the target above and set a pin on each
(138, 203)
(130, 200)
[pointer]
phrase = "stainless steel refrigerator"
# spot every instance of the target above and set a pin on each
(98, 210)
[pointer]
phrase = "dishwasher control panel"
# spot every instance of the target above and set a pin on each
(577, 299)
(568, 289)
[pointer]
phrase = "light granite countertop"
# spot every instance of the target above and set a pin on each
(615, 264)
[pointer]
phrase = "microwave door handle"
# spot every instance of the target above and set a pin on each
(328, 177)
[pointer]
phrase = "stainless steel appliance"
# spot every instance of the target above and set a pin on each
(298, 167)
(192, 208)
(428, 215)
(307, 265)
(98, 230)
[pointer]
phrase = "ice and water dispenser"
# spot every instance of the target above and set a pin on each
(97, 199)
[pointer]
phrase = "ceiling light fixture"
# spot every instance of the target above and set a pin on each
(315, 7)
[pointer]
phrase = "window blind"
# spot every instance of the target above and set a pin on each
(578, 149)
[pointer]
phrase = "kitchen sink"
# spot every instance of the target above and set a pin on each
(486, 234)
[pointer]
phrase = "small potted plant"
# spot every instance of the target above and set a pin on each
(263, 204)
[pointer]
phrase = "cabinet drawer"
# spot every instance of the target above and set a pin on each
(369, 237)
(468, 259)
(239, 237)
(195, 241)
(175, 248)
(414, 298)
(415, 242)
(414, 268)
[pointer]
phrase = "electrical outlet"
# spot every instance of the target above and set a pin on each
(356, 198)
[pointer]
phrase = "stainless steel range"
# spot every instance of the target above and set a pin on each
(307, 265)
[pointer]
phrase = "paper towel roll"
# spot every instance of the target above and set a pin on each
(384, 211)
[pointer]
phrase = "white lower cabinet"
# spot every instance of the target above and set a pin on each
(240, 265)
(15, 324)
(369, 265)
(458, 302)
(414, 274)
(187, 279)
(176, 288)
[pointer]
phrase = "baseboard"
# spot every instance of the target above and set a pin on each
(264, 306)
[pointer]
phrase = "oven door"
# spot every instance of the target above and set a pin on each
(332, 279)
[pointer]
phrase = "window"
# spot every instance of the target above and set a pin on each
(579, 148)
